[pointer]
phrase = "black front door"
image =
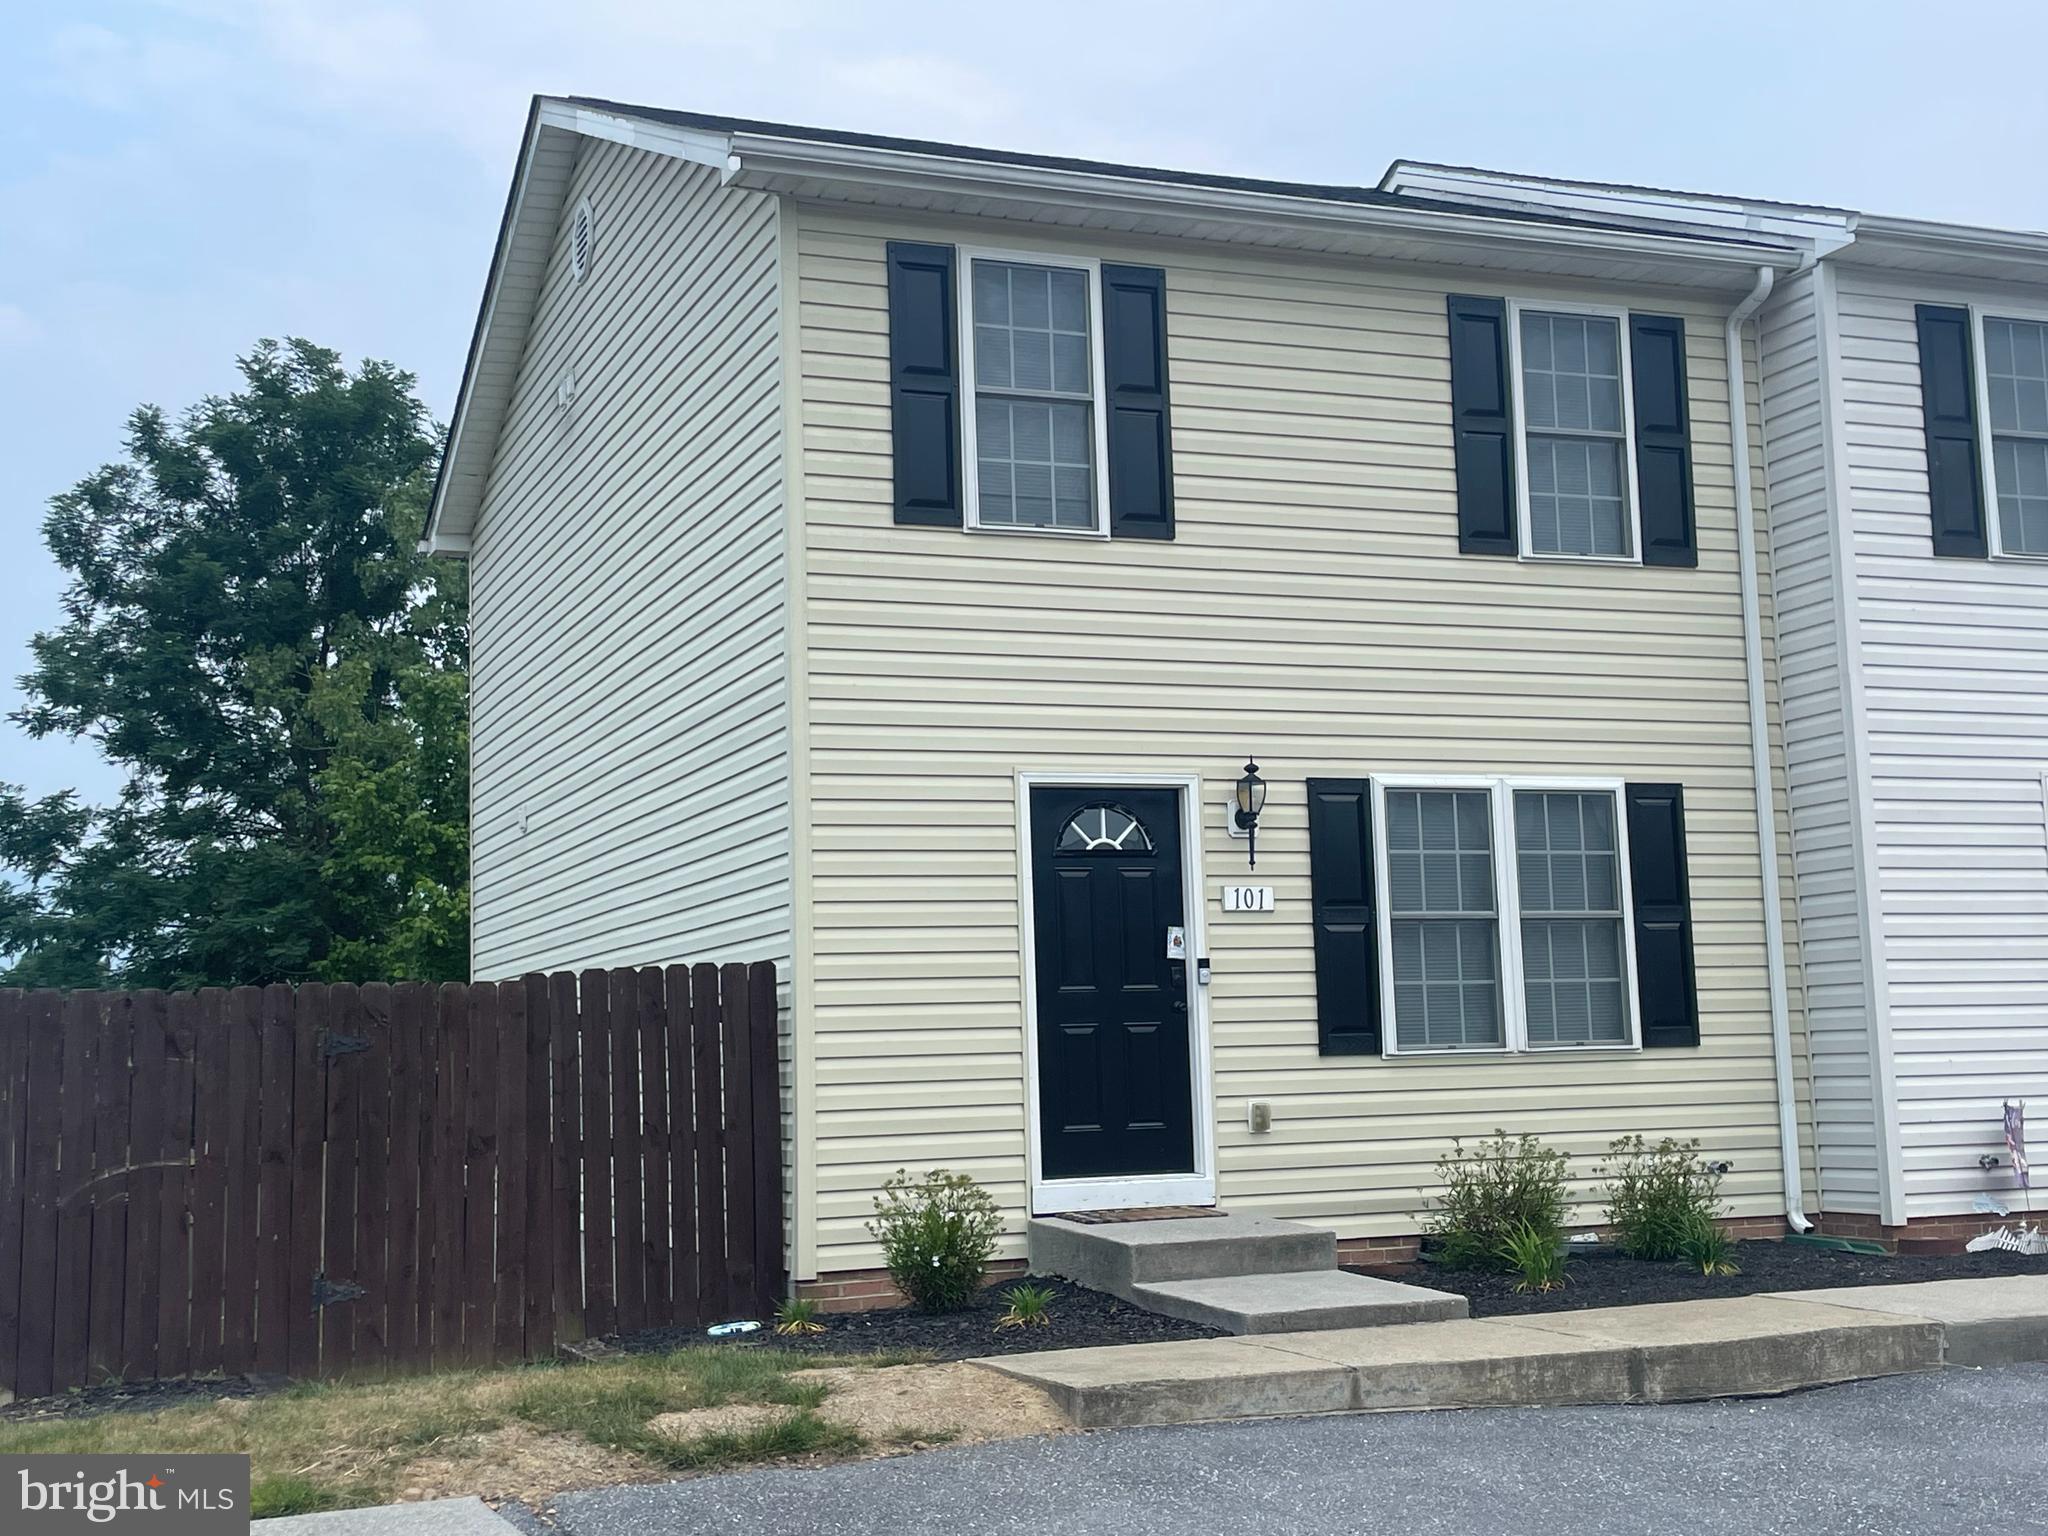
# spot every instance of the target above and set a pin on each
(1115, 1080)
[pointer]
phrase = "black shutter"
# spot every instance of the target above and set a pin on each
(1346, 928)
(924, 384)
(1665, 988)
(1140, 433)
(1948, 402)
(1656, 345)
(1482, 425)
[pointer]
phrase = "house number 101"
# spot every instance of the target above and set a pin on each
(1247, 898)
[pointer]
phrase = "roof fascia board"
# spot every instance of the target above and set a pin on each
(1930, 235)
(434, 540)
(697, 145)
(763, 162)
(1823, 229)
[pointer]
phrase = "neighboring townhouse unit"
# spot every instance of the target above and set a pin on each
(887, 555)
(1905, 402)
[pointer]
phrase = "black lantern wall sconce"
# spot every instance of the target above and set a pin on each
(1244, 815)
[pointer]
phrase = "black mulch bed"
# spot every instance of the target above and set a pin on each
(139, 1397)
(1079, 1317)
(1600, 1277)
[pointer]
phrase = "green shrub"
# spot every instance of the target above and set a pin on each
(1657, 1196)
(1536, 1255)
(1491, 1194)
(1706, 1245)
(936, 1233)
(1030, 1307)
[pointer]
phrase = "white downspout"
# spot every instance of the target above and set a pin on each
(1760, 754)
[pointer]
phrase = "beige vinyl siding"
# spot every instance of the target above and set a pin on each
(629, 683)
(1821, 822)
(1954, 658)
(1314, 610)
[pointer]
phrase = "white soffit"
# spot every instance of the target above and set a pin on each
(1951, 250)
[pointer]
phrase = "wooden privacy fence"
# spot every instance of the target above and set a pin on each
(335, 1180)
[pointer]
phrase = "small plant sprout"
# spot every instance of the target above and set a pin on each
(1706, 1245)
(796, 1316)
(1030, 1307)
(1535, 1253)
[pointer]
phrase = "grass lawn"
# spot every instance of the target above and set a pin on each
(532, 1430)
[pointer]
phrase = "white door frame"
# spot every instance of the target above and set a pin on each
(1194, 1188)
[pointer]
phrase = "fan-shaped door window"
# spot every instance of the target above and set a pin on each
(1104, 829)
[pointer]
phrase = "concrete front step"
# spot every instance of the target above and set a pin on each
(1672, 1352)
(1115, 1256)
(1293, 1301)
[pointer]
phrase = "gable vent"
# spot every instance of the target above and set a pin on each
(582, 233)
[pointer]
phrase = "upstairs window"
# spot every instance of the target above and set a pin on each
(1033, 426)
(1570, 368)
(2016, 399)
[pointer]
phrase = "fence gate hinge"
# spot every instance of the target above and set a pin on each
(327, 1292)
(333, 1045)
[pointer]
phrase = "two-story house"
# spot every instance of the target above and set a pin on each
(889, 558)
(1905, 405)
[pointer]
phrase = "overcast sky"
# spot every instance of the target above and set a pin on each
(180, 178)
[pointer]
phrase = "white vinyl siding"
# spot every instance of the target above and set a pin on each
(1312, 606)
(1954, 657)
(1821, 807)
(629, 694)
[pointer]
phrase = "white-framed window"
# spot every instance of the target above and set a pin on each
(2012, 404)
(1575, 456)
(1504, 924)
(1034, 417)
(1443, 918)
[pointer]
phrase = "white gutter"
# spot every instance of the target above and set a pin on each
(764, 162)
(1760, 754)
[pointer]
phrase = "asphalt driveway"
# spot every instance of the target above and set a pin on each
(1957, 1451)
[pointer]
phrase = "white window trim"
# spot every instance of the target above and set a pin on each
(1987, 471)
(970, 467)
(1523, 522)
(1507, 901)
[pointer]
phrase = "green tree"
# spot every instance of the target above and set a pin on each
(251, 634)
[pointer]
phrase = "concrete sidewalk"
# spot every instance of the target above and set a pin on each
(1670, 1352)
(434, 1517)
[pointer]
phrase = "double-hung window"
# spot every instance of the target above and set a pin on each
(2016, 409)
(1577, 461)
(1568, 878)
(1443, 901)
(1033, 424)
(1532, 951)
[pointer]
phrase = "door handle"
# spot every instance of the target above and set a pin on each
(1177, 973)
